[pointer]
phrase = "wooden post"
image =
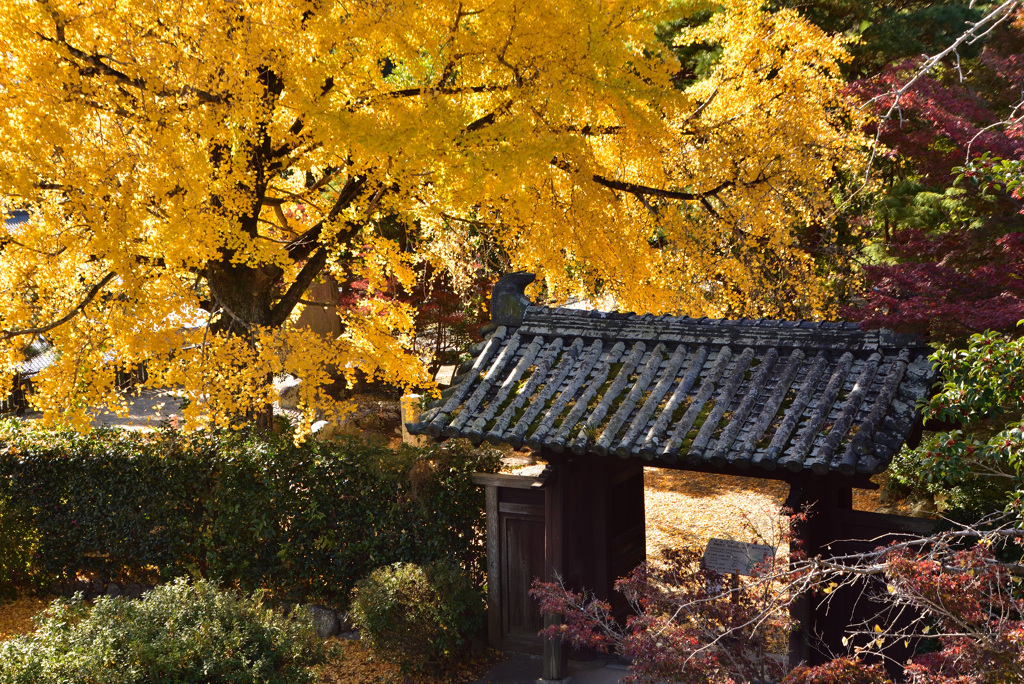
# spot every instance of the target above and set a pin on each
(409, 406)
(826, 501)
(494, 607)
(554, 549)
(554, 654)
(800, 610)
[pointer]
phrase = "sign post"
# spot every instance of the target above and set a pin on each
(734, 558)
(726, 556)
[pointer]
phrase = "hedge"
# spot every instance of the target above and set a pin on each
(304, 521)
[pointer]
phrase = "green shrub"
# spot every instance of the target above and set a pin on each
(17, 545)
(179, 632)
(254, 512)
(420, 617)
(965, 495)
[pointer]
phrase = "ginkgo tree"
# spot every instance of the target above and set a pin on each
(190, 168)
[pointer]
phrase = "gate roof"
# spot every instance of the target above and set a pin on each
(761, 395)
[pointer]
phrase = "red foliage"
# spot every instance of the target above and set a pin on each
(687, 627)
(838, 671)
(937, 121)
(955, 282)
(447, 319)
(966, 274)
(978, 613)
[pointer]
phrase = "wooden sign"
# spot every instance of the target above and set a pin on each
(728, 556)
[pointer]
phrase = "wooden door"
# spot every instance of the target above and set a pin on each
(521, 543)
(515, 557)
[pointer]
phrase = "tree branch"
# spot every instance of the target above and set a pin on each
(8, 334)
(465, 90)
(485, 120)
(303, 246)
(591, 130)
(94, 65)
(638, 189)
(646, 191)
(976, 31)
(280, 312)
(298, 125)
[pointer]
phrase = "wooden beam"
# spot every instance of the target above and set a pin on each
(554, 661)
(493, 571)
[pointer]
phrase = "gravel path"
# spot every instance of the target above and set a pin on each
(148, 409)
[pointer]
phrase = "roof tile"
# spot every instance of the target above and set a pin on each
(803, 396)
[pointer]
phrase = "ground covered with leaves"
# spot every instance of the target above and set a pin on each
(352, 663)
(16, 616)
(684, 509)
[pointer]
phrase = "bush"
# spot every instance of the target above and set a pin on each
(838, 671)
(420, 617)
(180, 632)
(17, 545)
(254, 512)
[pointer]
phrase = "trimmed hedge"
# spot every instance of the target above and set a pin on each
(306, 521)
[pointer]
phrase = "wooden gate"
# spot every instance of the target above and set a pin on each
(579, 520)
(515, 556)
(833, 528)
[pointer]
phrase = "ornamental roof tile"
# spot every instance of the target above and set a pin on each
(803, 396)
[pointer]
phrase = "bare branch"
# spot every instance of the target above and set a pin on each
(977, 30)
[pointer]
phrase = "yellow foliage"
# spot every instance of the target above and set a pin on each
(197, 164)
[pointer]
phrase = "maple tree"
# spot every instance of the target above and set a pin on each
(199, 164)
(688, 626)
(955, 589)
(951, 239)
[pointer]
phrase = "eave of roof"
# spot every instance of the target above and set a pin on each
(805, 396)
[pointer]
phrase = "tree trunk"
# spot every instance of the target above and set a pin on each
(243, 296)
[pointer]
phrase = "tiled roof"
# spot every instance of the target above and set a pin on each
(736, 394)
(40, 355)
(16, 218)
